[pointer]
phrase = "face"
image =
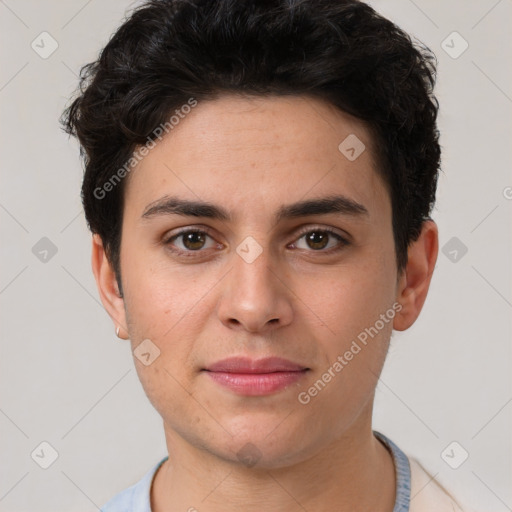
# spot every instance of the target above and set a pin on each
(290, 255)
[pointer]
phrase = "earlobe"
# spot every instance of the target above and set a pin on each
(415, 280)
(107, 285)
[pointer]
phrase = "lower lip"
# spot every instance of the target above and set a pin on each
(255, 384)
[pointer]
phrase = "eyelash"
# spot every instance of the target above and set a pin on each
(190, 253)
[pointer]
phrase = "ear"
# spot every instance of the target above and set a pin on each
(415, 280)
(107, 286)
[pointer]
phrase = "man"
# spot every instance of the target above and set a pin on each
(259, 181)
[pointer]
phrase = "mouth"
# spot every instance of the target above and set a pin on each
(250, 377)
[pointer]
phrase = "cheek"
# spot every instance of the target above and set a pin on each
(158, 296)
(166, 317)
(356, 303)
(352, 357)
(169, 306)
(347, 299)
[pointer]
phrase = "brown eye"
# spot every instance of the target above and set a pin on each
(194, 240)
(317, 239)
(320, 240)
(190, 241)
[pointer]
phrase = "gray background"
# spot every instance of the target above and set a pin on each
(66, 380)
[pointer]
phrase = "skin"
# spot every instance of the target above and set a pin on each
(297, 301)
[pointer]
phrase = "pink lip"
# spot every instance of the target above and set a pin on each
(255, 377)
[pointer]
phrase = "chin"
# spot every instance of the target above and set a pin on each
(266, 444)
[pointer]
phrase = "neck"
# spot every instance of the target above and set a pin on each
(355, 472)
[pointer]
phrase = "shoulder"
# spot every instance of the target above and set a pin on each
(122, 501)
(428, 494)
(136, 498)
(416, 489)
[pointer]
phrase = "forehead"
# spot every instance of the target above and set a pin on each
(252, 153)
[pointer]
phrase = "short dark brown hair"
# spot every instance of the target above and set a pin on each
(341, 51)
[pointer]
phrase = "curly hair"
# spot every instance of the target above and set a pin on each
(341, 51)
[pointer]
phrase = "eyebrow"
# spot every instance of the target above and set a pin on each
(336, 204)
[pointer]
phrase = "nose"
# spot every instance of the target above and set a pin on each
(254, 295)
